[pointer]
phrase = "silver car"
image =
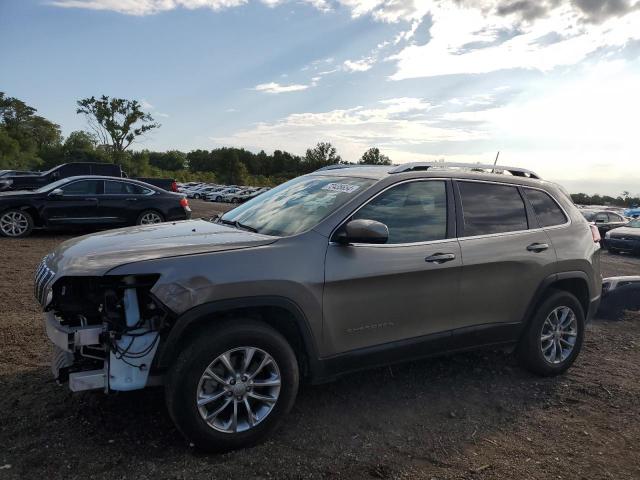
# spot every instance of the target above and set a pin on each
(329, 273)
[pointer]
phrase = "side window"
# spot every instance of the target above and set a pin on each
(124, 188)
(547, 210)
(83, 187)
(615, 218)
(489, 208)
(602, 217)
(413, 212)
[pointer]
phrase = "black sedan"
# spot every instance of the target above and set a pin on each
(93, 201)
(605, 220)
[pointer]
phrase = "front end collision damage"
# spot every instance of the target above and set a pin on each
(106, 331)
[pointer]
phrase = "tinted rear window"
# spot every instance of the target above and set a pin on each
(489, 208)
(547, 210)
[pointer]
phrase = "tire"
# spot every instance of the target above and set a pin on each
(196, 196)
(16, 224)
(531, 349)
(149, 217)
(218, 199)
(186, 383)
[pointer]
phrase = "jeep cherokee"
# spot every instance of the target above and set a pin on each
(331, 272)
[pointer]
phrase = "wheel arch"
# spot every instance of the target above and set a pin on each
(576, 283)
(280, 313)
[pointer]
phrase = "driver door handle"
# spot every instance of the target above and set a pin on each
(538, 247)
(440, 258)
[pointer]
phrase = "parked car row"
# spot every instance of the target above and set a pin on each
(619, 233)
(220, 193)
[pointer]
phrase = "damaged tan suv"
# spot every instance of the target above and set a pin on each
(339, 270)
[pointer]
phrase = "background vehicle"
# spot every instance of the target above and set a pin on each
(219, 195)
(335, 271)
(88, 201)
(624, 239)
(203, 192)
(605, 220)
(633, 212)
(618, 295)
(35, 180)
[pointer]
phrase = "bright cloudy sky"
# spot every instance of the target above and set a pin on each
(553, 84)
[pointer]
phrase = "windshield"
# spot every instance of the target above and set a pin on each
(297, 205)
(589, 215)
(634, 223)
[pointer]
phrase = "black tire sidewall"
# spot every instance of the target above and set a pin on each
(184, 376)
(530, 352)
(29, 220)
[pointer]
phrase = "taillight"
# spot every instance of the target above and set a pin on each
(595, 233)
(184, 202)
(174, 186)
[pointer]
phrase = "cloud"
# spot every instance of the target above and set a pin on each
(392, 125)
(274, 87)
(361, 65)
(146, 7)
(469, 38)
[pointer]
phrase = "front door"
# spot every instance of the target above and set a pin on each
(406, 288)
(78, 204)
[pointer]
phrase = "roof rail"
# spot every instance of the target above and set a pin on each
(338, 166)
(417, 166)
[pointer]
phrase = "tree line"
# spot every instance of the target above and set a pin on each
(31, 142)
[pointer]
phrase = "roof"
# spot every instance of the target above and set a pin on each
(438, 170)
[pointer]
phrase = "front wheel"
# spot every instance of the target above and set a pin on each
(553, 338)
(15, 224)
(232, 385)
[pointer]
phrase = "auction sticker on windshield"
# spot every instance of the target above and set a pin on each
(341, 187)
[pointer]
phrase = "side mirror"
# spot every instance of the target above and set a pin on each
(56, 192)
(363, 231)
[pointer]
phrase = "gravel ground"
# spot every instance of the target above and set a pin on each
(473, 416)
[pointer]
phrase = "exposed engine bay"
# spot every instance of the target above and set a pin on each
(106, 331)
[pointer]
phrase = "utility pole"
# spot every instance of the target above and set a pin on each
(495, 162)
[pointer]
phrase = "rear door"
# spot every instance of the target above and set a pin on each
(406, 288)
(78, 204)
(123, 201)
(505, 256)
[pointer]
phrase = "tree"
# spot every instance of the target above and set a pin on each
(25, 135)
(322, 155)
(171, 160)
(374, 157)
(116, 121)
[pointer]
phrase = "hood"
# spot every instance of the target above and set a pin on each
(625, 231)
(98, 253)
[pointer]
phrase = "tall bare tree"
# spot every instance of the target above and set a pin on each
(117, 122)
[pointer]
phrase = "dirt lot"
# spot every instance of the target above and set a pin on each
(475, 416)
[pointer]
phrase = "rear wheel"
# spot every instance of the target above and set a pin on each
(15, 224)
(232, 385)
(553, 338)
(149, 217)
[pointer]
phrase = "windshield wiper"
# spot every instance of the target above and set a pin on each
(238, 225)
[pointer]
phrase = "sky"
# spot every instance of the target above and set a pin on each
(554, 85)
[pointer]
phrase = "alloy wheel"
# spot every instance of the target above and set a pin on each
(14, 224)
(238, 390)
(559, 334)
(150, 218)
